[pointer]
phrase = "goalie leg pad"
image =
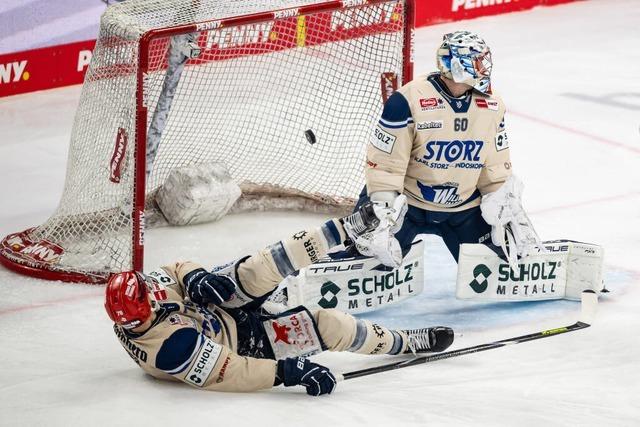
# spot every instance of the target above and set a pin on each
(357, 285)
(565, 270)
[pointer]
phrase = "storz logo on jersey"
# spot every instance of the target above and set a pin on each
(430, 104)
(446, 194)
(452, 151)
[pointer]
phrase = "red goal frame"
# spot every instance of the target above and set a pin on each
(43, 270)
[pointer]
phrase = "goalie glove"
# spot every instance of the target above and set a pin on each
(512, 229)
(372, 227)
(390, 205)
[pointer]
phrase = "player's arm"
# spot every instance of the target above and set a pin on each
(390, 147)
(191, 280)
(195, 359)
(502, 202)
(497, 166)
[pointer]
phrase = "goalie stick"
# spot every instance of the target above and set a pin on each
(589, 304)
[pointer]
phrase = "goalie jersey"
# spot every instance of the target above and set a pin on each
(442, 152)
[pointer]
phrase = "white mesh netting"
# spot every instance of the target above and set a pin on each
(246, 97)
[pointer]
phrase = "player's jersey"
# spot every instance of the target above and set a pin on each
(443, 152)
(199, 345)
(194, 344)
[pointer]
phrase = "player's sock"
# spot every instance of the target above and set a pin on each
(371, 338)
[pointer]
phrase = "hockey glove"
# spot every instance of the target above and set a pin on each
(317, 379)
(390, 207)
(375, 238)
(208, 288)
(511, 227)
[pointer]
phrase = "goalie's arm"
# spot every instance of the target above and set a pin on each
(390, 146)
(497, 166)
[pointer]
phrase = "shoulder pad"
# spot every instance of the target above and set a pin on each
(396, 109)
(178, 350)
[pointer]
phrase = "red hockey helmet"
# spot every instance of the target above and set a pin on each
(127, 301)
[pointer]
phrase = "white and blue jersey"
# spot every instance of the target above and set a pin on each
(442, 152)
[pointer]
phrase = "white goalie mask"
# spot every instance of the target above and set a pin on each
(464, 57)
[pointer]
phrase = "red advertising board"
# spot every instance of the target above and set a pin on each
(45, 68)
(439, 11)
(65, 65)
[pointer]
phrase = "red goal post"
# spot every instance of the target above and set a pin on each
(109, 233)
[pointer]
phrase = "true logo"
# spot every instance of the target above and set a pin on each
(479, 283)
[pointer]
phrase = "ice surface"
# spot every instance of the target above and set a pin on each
(569, 76)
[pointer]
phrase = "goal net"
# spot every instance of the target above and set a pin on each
(284, 93)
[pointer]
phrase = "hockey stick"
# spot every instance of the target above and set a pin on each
(589, 305)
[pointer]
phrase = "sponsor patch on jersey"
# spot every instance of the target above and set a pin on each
(157, 288)
(446, 194)
(432, 125)
(293, 334)
(489, 104)
(431, 104)
(204, 362)
(383, 140)
(223, 370)
(162, 277)
(176, 319)
(502, 142)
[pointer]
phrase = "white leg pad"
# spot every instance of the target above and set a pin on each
(564, 271)
(355, 285)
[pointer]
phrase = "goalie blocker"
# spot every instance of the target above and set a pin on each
(567, 269)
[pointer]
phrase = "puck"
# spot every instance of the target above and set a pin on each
(311, 137)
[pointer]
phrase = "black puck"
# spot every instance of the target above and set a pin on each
(311, 137)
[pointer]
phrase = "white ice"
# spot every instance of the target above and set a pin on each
(570, 76)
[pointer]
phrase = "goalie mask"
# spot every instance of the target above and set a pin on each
(465, 58)
(130, 298)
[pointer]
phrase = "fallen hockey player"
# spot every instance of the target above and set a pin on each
(210, 330)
